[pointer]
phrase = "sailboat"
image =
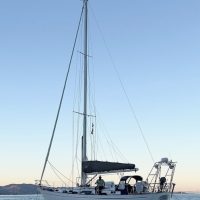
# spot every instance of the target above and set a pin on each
(157, 186)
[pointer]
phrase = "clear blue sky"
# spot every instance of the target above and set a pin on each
(155, 46)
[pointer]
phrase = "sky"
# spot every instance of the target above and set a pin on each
(154, 45)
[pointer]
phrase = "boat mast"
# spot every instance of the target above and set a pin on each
(84, 139)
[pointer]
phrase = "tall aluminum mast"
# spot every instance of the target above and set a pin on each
(84, 139)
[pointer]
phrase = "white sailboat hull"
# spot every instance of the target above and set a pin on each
(48, 195)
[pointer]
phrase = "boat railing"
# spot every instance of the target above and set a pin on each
(157, 187)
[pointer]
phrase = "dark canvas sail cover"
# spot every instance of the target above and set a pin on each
(102, 166)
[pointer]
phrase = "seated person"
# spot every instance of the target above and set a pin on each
(100, 185)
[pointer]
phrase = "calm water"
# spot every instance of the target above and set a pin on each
(20, 197)
(38, 197)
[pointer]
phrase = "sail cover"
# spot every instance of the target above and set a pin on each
(102, 166)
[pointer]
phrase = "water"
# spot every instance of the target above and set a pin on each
(186, 197)
(21, 197)
(38, 197)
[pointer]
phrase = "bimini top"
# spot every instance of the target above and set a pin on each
(136, 177)
(102, 166)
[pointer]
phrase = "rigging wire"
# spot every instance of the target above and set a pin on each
(92, 107)
(110, 141)
(78, 137)
(102, 149)
(63, 91)
(76, 101)
(72, 171)
(123, 88)
(56, 170)
(92, 101)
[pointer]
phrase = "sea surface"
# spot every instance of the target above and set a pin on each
(39, 197)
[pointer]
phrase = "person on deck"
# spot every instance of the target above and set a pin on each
(100, 185)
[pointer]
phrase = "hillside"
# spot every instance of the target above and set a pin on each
(16, 189)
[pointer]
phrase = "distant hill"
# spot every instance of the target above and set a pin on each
(15, 189)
